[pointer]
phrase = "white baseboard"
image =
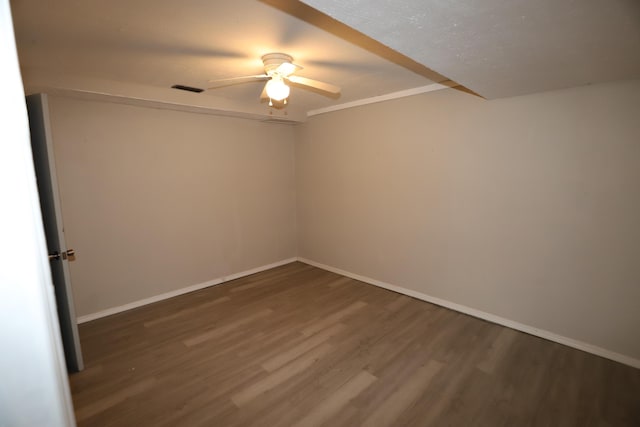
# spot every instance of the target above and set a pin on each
(589, 348)
(156, 298)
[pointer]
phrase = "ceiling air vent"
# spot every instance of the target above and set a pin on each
(188, 88)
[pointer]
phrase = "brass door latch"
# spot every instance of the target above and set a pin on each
(69, 254)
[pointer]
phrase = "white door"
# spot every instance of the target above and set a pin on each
(59, 254)
(34, 390)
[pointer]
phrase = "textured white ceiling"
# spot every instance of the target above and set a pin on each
(501, 48)
(139, 48)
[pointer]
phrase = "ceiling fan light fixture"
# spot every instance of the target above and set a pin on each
(278, 71)
(286, 68)
(277, 89)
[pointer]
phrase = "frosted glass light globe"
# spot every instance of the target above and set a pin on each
(277, 89)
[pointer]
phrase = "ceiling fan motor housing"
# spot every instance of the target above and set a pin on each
(272, 61)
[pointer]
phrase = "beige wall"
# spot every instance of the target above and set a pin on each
(527, 208)
(158, 200)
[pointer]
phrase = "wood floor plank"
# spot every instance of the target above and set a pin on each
(216, 332)
(278, 377)
(335, 317)
(299, 345)
(405, 396)
(498, 349)
(306, 345)
(186, 311)
(327, 408)
(84, 412)
(339, 281)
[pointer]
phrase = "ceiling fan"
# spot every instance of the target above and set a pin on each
(278, 71)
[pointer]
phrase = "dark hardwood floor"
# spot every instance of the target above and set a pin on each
(299, 346)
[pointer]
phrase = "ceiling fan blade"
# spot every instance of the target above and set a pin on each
(325, 87)
(264, 95)
(237, 80)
